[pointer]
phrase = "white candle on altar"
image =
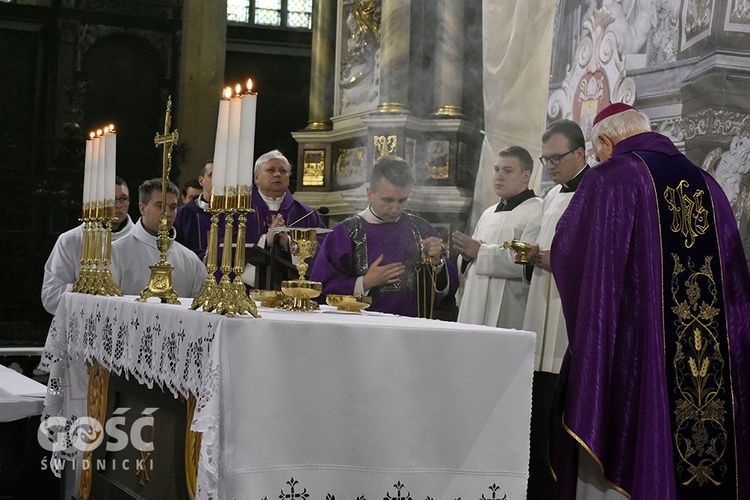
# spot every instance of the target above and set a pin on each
(93, 186)
(220, 147)
(87, 170)
(247, 136)
(101, 174)
(233, 144)
(110, 146)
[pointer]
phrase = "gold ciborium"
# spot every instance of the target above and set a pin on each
(303, 244)
(521, 248)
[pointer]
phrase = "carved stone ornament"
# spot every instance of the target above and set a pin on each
(596, 78)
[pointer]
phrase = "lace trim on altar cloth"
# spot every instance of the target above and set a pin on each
(149, 342)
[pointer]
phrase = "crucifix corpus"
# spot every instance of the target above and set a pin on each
(160, 284)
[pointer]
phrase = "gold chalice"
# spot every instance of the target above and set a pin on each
(521, 248)
(303, 244)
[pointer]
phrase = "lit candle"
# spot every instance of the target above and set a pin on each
(101, 167)
(233, 144)
(110, 147)
(94, 185)
(87, 170)
(247, 136)
(220, 147)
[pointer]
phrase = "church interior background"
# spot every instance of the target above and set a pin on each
(444, 84)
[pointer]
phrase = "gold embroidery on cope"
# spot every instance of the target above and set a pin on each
(700, 434)
(689, 217)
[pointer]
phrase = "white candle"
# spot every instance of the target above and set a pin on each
(101, 167)
(87, 170)
(110, 147)
(220, 147)
(93, 186)
(233, 145)
(247, 136)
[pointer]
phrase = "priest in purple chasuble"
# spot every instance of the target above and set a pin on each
(379, 252)
(652, 401)
(274, 206)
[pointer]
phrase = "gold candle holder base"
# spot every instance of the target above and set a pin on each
(160, 285)
(300, 293)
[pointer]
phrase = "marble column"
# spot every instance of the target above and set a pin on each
(449, 55)
(204, 41)
(322, 70)
(394, 56)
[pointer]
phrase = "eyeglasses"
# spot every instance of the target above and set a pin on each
(554, 159)
(122, 200)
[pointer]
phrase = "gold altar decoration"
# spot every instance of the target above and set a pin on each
(350, 303)
(521, 248)
(97, 409)
(313, 167)
(160, 284)
(385, 145)
(302, 243)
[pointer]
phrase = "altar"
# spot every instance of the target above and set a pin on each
(313, 405)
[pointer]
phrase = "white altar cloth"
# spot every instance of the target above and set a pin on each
(329, 403)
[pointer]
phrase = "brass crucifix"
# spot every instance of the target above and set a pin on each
(160, 284)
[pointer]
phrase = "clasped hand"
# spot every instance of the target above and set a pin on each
(277, 221)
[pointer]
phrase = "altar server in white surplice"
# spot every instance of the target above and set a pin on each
(64, 262)
(564, 155)
(132, 255)
(494, 293)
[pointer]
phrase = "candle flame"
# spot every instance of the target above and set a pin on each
(227, 92)
(238, 89)
(99, 132)
(106, 130)
(249, 84)
(111, 128)
(92, 135)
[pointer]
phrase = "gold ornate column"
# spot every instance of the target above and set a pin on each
(395, 32)
(321, 72)
(449, 56)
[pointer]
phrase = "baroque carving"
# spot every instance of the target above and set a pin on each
(350, 167)
(665, 40)
(360, 66)
(708, 121)
(596, 78)
(696, 21)
(738, 16)
(384, 145)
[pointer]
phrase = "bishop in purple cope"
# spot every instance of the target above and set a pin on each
(653, 396)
